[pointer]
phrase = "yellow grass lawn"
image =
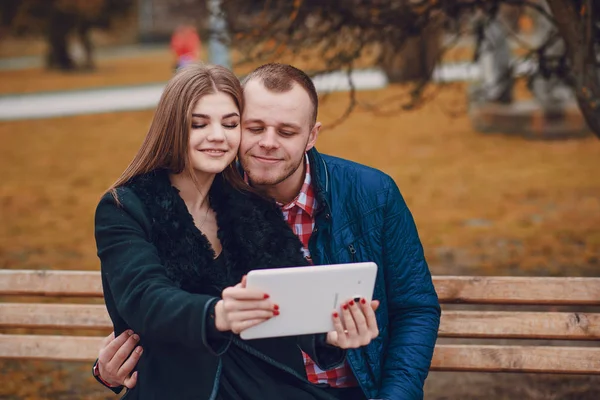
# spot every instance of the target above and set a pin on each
(493, 202)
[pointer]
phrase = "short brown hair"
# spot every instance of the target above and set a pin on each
(280, 78)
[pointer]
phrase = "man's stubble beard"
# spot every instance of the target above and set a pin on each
(275, 180)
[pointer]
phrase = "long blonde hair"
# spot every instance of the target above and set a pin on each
(167, 142)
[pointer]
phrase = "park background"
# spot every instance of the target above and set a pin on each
(522, 199)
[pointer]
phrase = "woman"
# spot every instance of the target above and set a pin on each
(177, 233)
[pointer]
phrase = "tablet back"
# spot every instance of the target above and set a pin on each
(308, 296)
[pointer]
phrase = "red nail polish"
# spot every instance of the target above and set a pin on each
(351, 302)
(266, 296)
(363, 301)
(275, 312)
(335, 315)
(345, 306)
(275, 307)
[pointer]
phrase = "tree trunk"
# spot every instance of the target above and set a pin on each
(59, 26)
(416, 59)
(84, 31)
(582, 58)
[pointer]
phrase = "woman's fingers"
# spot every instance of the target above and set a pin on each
(239, 326)
(356, 327)
(359, 318)
(369, 313)
(348, 320)
(243, 308)
(374, 305)
(232, 305)
(240, 293)
(252, 314)
(338, 336)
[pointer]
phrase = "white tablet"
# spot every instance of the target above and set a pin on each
(307, 296)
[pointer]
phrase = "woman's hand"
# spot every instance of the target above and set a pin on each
(356, 326)
(241, 308)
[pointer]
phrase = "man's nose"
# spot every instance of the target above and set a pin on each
(268, 139)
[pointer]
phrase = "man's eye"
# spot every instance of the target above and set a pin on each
(286, 133)
(255, 130)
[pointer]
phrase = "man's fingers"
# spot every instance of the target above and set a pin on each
(131, 381)
(108, 352)
(123, 353)
(107, 340)
(129, 365)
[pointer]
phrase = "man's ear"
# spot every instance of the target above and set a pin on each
(313, 135)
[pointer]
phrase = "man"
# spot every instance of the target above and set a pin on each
(342, 212)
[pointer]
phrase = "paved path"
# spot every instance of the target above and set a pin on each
(144, 97)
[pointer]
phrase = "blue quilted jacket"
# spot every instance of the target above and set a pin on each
(363, 217)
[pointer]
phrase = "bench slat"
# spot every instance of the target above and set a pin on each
(538, 359)
(520, 325)
(63, 316)
(46, 347)
(466, 324)
(517, 290)
(446, 357)
(450, 289)
(50, 283)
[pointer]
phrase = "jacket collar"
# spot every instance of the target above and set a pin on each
(252, 232)
(320, 179)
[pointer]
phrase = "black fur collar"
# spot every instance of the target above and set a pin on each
(251, 229)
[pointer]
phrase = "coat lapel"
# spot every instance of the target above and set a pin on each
(252, 232)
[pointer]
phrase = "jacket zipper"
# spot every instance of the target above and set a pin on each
(352, 252)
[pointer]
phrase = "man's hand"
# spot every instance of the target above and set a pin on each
(357, 325)
(242, 308)
(118, 357)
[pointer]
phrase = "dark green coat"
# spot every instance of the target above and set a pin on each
(159, 280)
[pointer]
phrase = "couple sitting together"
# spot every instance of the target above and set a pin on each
(228, 180)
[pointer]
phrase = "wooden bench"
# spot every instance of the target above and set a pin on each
(512, 318)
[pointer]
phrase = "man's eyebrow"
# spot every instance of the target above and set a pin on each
(224, 116)
(293, 126)
(260, 121)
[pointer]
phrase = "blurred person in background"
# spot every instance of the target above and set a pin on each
(185, 45)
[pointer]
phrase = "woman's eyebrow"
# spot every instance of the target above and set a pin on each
(231, 115)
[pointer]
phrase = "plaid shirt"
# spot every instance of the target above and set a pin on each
(299, 214)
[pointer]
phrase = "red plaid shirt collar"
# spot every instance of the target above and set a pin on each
(306, 199)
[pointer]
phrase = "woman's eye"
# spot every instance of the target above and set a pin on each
(198, 126)
(230, 126)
